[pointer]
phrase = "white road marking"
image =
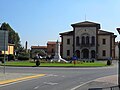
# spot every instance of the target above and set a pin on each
(52, 75)
(36, 87)
(63, 76)
(50, 83)
(80, 85)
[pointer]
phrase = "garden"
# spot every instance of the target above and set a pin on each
(44, 63)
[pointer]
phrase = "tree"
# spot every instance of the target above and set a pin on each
(13, 37)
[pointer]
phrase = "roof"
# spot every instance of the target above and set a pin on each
(118, 29)
(67, 33)
(11, 44)
(104, 32)
(38, 47)
(86, 23)
(51, 42)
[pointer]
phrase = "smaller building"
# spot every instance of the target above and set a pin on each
(51, 46)
(41, 50)
(10, 49)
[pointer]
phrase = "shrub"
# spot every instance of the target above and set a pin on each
(37, 63)
(2, 59)
(23, 56)
(11, 57)
(93, 61)
(109, 62)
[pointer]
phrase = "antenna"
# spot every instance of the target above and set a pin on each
(85, 14)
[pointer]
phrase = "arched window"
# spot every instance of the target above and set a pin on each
(87, 40)
(83, 40)
(77, 41)
(93, 40)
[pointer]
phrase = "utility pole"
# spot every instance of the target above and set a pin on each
(3, 43)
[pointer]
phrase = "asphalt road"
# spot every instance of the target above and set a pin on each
(57, 78)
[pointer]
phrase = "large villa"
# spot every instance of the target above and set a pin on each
(88, 41)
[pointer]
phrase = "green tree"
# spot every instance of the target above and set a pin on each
(13, 37)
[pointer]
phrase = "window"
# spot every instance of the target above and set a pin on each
(93, 40)
(87, 40)
(104, 41)
(77, 41)
(52, 50)
(68, 41)
(83, 40)
(68, 52)
(104, 53)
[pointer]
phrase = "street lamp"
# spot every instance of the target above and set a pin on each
(118, 29)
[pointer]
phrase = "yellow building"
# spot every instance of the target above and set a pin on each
(10, 49)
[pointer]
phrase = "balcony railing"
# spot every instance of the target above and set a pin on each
(86, 45)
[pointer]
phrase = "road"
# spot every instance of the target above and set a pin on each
(57, 78)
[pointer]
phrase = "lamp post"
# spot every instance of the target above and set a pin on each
(118, 29)
(4, 50)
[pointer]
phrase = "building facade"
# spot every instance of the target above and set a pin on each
(51, 46)
(10, 50)
(88, 41)
(41, 50)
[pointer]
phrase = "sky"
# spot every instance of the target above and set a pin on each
(40, 21)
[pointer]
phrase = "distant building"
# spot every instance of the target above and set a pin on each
(88, 41)
(51, 46)
(42, 50)
(10, 49)
(116, 50)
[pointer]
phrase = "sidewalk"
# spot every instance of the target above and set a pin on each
(103, 83)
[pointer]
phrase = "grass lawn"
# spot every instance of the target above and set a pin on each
(28, 63)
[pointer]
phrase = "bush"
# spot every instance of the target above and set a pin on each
(11, 57)
(37, 63)
(84, 61)
(23, 56)
(93, 61)
(2, 59)
(109, 62)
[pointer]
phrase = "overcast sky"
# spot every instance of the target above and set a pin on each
(39, 21)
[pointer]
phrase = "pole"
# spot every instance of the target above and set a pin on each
(119, 66)
(4, 51)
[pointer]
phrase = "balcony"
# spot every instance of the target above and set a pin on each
(86, 45)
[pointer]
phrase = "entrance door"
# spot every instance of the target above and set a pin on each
(85, 53)
(92, 54)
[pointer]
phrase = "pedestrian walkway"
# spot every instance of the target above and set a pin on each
(104, 83)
